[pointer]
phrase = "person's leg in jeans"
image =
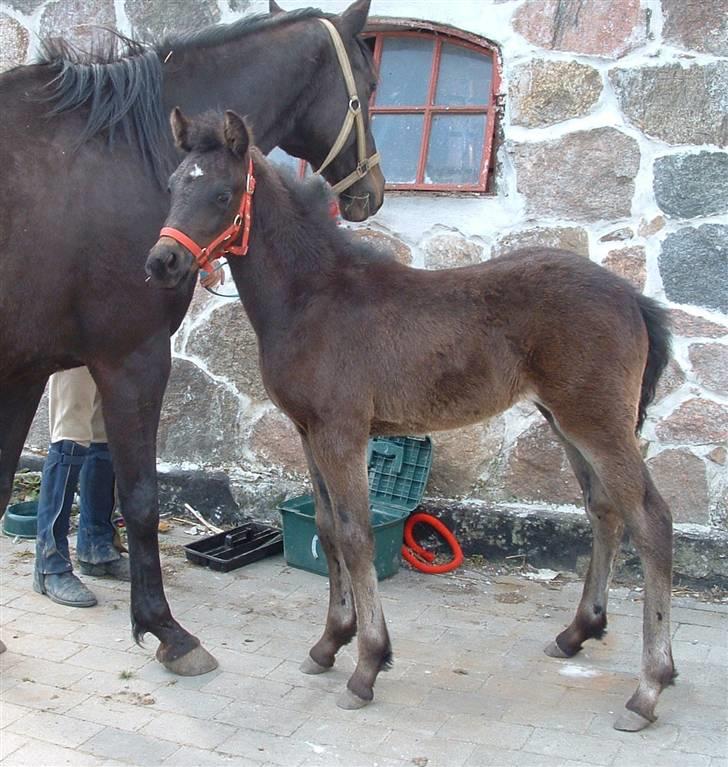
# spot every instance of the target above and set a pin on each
(95, 548)
(71, 401)
(76, 437)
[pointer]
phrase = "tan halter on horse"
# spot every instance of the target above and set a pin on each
(353, 115)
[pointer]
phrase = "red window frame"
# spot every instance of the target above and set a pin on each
(379, 30)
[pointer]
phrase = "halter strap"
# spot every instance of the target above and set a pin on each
(353, 116)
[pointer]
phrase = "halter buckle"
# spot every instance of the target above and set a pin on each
(354, 105)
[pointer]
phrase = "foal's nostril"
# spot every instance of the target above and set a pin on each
(171, 261)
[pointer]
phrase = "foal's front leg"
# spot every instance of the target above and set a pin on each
(341, 460)
(341, 617)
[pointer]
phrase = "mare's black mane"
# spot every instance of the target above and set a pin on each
(121, 80)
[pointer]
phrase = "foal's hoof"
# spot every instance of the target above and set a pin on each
(350, 701)
(309, 666)
(554, 651)
(631, 721)
(2, 646)
(194, 663)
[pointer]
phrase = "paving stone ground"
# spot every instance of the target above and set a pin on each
(470, 686)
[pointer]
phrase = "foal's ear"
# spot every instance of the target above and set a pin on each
(274, 9)
(354, 18)
(180, 129)
(236, 134)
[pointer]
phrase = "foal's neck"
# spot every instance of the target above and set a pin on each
(292, 254)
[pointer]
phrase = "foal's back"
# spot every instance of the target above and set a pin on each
(442, 349)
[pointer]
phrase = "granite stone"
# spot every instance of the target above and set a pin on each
(691, 185)
(694, 266)
(663, 101)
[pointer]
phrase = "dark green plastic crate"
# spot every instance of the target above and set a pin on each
(398, 471)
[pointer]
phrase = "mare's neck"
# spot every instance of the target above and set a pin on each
(256, 75)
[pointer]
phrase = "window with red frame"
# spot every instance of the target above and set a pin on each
(433, 113)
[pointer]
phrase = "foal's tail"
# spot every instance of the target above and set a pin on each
(658, 353)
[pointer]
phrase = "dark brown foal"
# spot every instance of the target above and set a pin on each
(353, 343)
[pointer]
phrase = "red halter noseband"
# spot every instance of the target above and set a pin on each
(222, 245)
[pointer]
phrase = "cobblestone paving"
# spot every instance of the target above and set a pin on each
(470, 686)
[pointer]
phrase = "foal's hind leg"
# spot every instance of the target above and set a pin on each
(341, 617)
(131, 398)
(607, 525)
(649, 524)
(341, 460)
(618, 464)
(17, 408)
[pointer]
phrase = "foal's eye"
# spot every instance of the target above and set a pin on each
(224, 198)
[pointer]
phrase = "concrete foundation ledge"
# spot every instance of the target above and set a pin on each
(560, 539)
(552, 537)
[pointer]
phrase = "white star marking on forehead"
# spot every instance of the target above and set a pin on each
(197, 171)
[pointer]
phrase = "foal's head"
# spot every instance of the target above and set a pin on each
(207, 190)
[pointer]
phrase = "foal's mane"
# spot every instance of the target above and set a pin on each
(296, 213)
(121, 80)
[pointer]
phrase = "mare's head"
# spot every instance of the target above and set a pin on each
(321, 125)
(208, 192)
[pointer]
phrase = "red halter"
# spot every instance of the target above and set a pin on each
(219, 246)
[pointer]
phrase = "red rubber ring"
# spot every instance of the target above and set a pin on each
(414, 553)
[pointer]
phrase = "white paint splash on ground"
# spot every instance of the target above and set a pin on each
(569, 669)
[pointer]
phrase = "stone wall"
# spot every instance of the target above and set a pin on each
(612, 143)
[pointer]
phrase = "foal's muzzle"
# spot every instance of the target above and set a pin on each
(168, 263)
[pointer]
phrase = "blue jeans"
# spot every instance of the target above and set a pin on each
(67, 464)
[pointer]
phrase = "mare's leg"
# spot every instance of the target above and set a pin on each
(132, 401)
(607, 525)
(341, 459)
(17, 408)
(614, 455)
(341, 617)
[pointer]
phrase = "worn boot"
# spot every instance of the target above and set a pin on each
(64, 588)
(53, 574)
(95, 548)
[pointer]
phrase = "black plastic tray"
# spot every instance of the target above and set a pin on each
(235, 548)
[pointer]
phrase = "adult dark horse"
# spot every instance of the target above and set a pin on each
(353, 344)
(78, 216)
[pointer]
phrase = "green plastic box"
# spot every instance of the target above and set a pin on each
(398, 471)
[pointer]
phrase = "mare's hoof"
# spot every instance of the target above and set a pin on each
(309, 666)
(350, 701)
(631, 721)
(554, 651)
(2, 646)
(195, 663)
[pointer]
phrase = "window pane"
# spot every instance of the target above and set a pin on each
(455, 153)
(398, 139)
(464, 78)
(404, 74)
